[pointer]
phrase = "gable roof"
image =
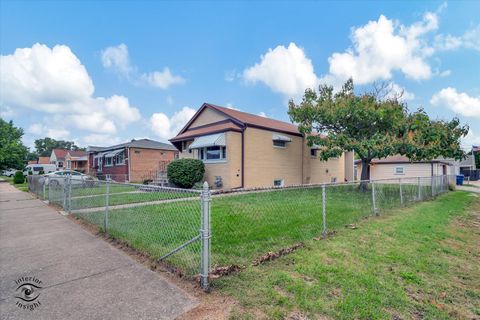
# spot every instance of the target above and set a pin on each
(77, 153)
(141, 143)
(239, 120)
(60, 153)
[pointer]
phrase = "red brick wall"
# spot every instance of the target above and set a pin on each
(146, 161)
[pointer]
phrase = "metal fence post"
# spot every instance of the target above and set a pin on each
(44, 187)
(419, 189)
(401, 191)
(374, 205)
(205, 236)
(107, 196)
(433, 188)
(324, 213)
(69, 194)
(64, 202)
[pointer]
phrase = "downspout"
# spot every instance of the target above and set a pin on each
(243, 158)
(128, 153)
(431, 164)
(303, 160)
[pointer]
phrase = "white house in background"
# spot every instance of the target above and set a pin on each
(395, 167)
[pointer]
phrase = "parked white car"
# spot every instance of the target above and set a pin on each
(77, 178)
(9, 172)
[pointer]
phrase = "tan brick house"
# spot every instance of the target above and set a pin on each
(134, 161)
(245, 150)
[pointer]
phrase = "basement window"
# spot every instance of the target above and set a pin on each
(399, 170)
(278, 183)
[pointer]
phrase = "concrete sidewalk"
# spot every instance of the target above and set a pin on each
(82, 276)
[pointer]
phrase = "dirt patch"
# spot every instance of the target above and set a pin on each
(218, 272)
(269, 256)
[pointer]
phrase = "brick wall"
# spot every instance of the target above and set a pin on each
(145, 162)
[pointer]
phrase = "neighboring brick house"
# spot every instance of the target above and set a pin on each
(76, 160)
(58, 158)
(69, 159)
(133, 161)
(242, 150)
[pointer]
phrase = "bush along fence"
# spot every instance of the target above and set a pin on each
(209, 233)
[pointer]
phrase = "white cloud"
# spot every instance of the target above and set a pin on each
(394, 90)
(445, 73)
(230, 105)
(54, 81)
(6, 112)
(167, 128)
(117, 59)
(470, 40)
(39, 129)
(460, 102)
(101, 140)
(382, 47)
(471, 139)
(162, 79)
(285, 70)
(262, 114)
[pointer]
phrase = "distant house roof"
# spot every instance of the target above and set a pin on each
(238, 121)
(77, 153)
(141, 143)
(402, 159)
(43, 160)
(60, 153)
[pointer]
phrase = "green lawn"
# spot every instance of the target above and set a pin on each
(420, 262)
(244, 226)
(21, 186)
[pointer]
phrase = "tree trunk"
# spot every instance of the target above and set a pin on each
(365, 175)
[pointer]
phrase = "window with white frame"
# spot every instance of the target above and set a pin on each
(399, 170)
(279, 143)
(278, 183)
(120, 158)
(313, 153)
(215, 153)
(108, 161)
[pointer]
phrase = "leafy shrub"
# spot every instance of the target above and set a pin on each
(41, 172)
(185, 172)
(30, 173)
(18, 178)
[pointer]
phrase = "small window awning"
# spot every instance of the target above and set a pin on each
(113, 153)
(279, 137)
(100, 155)
(208, 141)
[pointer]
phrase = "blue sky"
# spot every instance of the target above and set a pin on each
(101, 72)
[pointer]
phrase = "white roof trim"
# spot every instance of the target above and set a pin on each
(208, 141)
(113, 153)
(279, 137)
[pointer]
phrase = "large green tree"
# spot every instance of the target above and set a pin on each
(374, 125)
(45, 146)
(12, 150)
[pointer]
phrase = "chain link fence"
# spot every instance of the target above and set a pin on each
(202, 232)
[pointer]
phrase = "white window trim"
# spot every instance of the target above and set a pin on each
(106, 164)
(120, 163)
(279, 147)
(221, 160)
(397, 173)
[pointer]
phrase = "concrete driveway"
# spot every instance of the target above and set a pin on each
(78, 275)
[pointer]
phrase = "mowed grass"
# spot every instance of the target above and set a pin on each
(421, 262)
(19, 186)
(244, 226)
